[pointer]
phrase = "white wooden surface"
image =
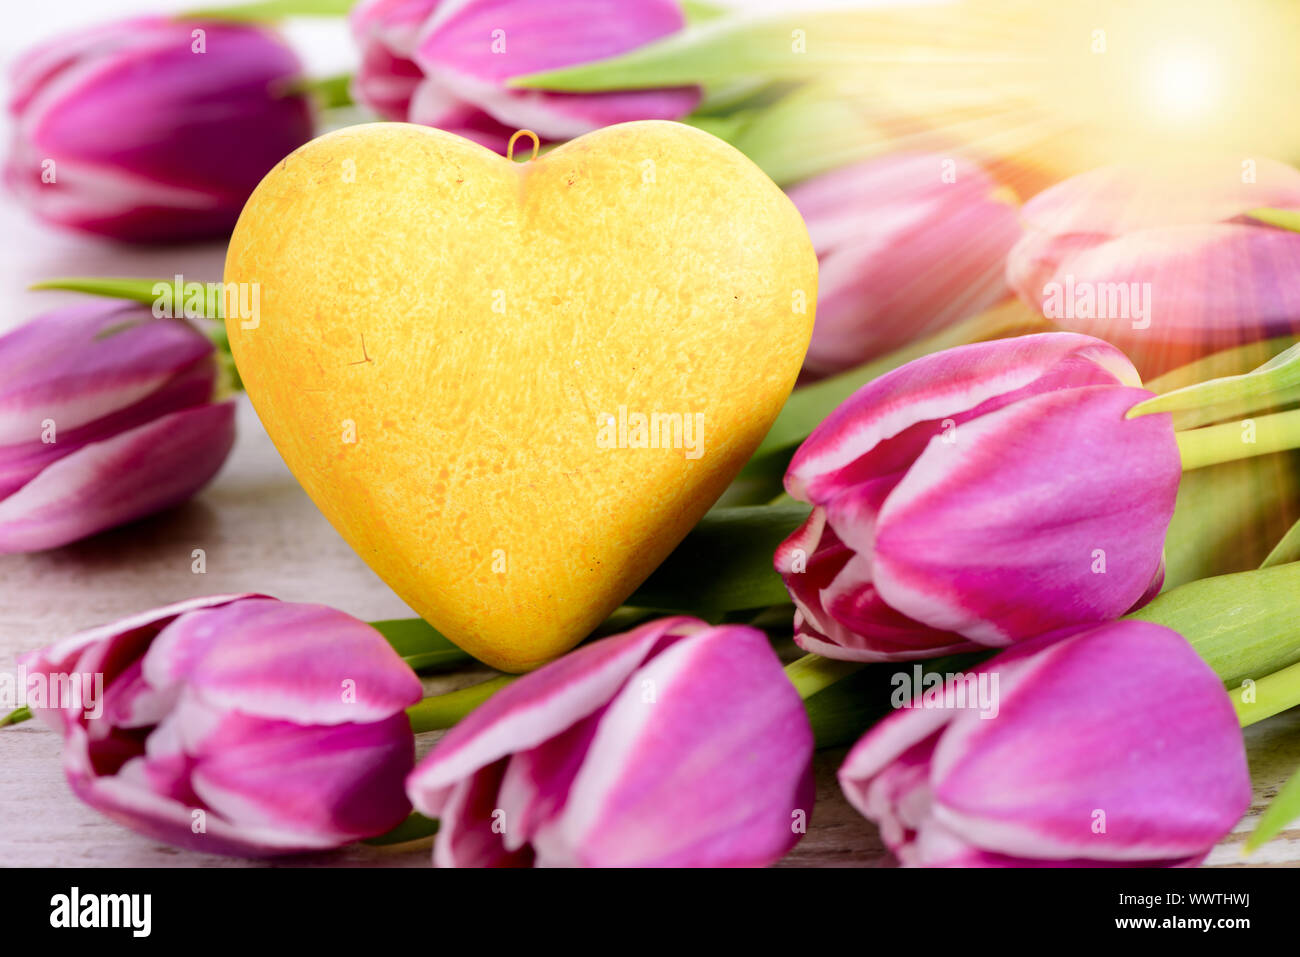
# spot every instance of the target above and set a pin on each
(260, 532)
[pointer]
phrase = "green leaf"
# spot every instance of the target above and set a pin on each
(329, 92)
(1243, 625)
(16, 716)
(697, 11)
(724, 563)
(421, 645)
(1284, 809)
(840, 713)
(414, 828)
(1226, 362)
(1283, 218)
(778, 138)
(268, 10)
(445, 710)
(1228, 516)
(743, 46)
(1275, 383)
(1287, 550)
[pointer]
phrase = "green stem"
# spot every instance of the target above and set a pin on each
(414, 828)
(270, 10)
(1268, 696)
(813, 673)
(15, 716)
(445, 710)
(1239, 440)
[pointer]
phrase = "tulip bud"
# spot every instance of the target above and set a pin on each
(906, 246)
(449, 65)
(1113, 745)
(673, 745)
(977, 497)
(106, 415)
(1164, 263)
(236, 724)
(154, 129)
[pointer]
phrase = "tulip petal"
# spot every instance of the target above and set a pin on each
(650, 792)
(536, 707)
(467, 832)
(472, 49)
(191, 130)
(431, 105)
(960, 382)
(319, 786)
(1202, 283)
(839, 611)
(136, 473)
(108, 649)
(283, 660)
(537, 781)
(906, 245)
(129, 798)
(983, 535)
(1115, 200)
(1154, 744)
(77, 365)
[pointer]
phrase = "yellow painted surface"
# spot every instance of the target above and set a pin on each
(442, 334)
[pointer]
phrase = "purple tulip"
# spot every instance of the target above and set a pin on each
(446, 64)
(977, 497)
(906, 245)
(1164, 261)
(673, 745)
(106, 416)
(1113, 745)
(153, 129)
(238, 725)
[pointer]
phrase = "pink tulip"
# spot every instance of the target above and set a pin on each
(1114, 745)
(673, 745)
(977, 497)
(153, 129)
(446, 64)
(106, 416)
(238, 725)
(1164, 261)
(907, 244)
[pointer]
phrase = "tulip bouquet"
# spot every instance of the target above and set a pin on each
(1013, 543)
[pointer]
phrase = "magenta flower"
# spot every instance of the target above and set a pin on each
(238, 725)
(153, 129)
(906, 244)
(673, 745)
(977, 497)
(446, 64)
(1164, 260)
(106, 416)
(1114, 745)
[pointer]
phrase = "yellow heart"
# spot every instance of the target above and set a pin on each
(452, 352)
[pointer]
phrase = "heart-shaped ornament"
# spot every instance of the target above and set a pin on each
(513, 387)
